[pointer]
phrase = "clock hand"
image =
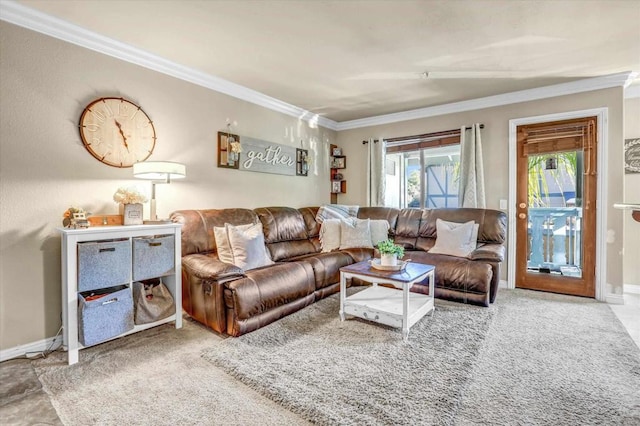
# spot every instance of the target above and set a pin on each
(124, 138)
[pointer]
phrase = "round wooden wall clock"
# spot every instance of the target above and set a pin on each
(117, 132)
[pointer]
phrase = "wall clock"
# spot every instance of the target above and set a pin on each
(117, 132)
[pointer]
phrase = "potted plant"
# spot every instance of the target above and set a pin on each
(390, 252)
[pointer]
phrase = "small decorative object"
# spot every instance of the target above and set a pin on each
(338, 176)
(302, 162)
(117, 132)
(132, 200)
(336, 187)
(338, 163)
(337, 152)
(75, 217)
(229, 148)
(390, 253)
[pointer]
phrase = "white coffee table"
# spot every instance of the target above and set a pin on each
(390, 306)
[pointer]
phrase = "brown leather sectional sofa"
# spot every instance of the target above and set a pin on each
(235, 302)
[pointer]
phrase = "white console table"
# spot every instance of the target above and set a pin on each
(70, 240)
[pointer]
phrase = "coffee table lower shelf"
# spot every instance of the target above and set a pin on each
(385, 306)
(395, 307)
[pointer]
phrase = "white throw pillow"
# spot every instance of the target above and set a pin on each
(455, 239)
(222, 241)
(379, 231)
(330, 235)
(247, 246)
(355, 233)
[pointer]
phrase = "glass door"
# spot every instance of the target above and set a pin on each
(555, 231)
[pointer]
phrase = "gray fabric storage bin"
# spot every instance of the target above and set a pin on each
(153, 257)
(103, 264)
(105, 317)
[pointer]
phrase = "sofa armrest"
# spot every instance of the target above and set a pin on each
(208, 267)
(203, 278)
(488, 252)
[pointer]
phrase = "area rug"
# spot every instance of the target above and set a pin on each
(531, 358)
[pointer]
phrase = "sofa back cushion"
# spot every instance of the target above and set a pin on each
(492, 224)
(285, 232)
(197, 226)
(390, 214)
(408, 227)
(313, 227)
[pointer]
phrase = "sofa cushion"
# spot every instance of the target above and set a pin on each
(269, 288)
(285, 232)
(456, 273)
(326, 266)
(455, 239)
(408, 227)
(247, 246)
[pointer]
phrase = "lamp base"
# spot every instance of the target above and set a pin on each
(157, 222)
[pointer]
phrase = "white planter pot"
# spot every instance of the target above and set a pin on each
(388, 259)
(132, 214)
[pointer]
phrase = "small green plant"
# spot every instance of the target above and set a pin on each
(389, 247)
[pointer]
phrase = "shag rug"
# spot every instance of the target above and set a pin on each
(531, 358)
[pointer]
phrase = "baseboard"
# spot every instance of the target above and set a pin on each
(30, 348)
(614, 299)
(503, 284)
(631, 288)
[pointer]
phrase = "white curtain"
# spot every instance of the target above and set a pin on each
(375, 172)
(471, 191)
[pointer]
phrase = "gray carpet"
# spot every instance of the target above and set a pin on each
(155, 377)
(532, 358)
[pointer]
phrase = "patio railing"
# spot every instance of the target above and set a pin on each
(554, 237)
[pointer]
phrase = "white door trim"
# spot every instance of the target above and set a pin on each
(601, 202)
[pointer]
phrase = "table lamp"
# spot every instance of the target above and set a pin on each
(158, 172)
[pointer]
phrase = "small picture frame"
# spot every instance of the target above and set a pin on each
(336, 187)
(338, 163)
(337, 152)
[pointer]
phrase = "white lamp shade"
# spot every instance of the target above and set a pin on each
(159, 170)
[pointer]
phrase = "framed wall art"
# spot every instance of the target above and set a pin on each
(632, 155)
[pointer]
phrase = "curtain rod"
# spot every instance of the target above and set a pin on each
(426, 135)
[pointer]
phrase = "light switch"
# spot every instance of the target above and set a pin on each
(503, 204)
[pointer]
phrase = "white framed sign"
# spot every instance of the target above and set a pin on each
(267, 157)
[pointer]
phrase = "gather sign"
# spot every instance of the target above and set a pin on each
(267, 157)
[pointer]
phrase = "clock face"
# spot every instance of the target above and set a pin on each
(117, 132)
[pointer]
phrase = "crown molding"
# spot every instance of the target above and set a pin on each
(570, 88)
(632, 91)
(32, 19)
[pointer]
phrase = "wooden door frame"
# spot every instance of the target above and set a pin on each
(602, 115)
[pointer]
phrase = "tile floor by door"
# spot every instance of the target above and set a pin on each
(24, 402)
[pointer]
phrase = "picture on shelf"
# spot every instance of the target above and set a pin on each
(337, 152)
(338, 163)
(336, 187)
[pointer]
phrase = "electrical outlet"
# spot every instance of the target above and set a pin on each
(503, 204)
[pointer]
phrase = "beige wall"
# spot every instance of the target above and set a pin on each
(495, 142)
(45, 83)
(631, 195)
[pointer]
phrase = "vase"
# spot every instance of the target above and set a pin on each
(132, 214)
(388, 259)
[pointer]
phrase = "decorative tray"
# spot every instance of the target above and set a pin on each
(375, 264)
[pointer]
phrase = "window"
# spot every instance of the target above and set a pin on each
(435, 187)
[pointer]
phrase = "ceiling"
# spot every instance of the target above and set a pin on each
(347, 60)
